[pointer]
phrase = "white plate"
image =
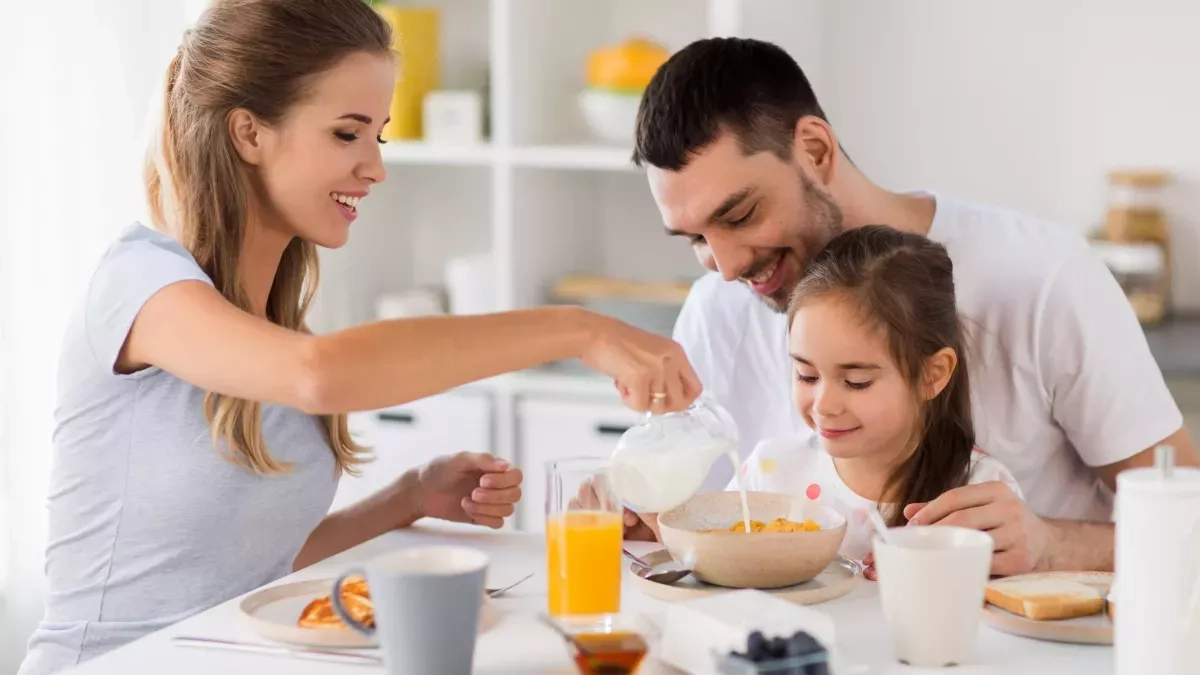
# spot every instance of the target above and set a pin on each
(273, 612)
(837, 579)
(1096, 629)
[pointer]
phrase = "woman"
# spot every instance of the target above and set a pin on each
(201, 427)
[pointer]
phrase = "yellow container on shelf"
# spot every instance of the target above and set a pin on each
(415, 39)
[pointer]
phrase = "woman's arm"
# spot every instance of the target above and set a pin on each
(191, 331)
(467, 487)
(395, 507)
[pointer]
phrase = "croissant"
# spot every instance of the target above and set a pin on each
(356, 598)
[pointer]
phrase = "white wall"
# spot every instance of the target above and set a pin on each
(1025, 103)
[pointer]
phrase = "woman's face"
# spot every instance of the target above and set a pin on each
(323, 157)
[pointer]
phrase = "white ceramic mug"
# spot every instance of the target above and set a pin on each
(932, 581)
(427, 601)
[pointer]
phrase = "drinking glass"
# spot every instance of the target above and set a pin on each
(583, 538)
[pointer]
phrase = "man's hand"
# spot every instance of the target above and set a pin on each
(469, 487)
(1023, 540)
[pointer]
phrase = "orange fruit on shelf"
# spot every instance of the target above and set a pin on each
(626, 67)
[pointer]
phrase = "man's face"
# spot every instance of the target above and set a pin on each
(756, 219)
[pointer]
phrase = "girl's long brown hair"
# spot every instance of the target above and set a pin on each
(259, 55)
(903, 284)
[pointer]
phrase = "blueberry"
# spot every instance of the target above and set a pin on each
(756, 646)
(802, 644)
(778, 648)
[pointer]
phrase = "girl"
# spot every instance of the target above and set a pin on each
(201, 428)
(880, 376)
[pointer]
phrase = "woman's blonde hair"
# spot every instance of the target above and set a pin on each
(259, 55)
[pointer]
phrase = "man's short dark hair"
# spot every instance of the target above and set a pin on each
(751, 88)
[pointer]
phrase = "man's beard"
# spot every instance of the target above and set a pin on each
(821, 223)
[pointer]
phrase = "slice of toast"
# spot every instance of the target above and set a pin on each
(1045, 598)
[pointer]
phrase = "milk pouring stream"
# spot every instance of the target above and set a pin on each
(663, 461)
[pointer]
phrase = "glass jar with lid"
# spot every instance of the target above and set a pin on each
(1135, 207)
(1141, 270)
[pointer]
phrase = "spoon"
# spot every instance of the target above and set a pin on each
(495, 592)
(669, 576)
(567, 636)
(881, 527)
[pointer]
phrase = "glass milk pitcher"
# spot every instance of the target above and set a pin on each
(662, 461)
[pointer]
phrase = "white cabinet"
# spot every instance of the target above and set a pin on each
(410, 435)
(548, 430)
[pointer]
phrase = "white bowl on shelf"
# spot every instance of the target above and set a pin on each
(611, 116)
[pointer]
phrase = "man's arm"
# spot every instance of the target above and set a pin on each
(1186, 454)
(1089, 546)
(1109, 398)
(1026, 542)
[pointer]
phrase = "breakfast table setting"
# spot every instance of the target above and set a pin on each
(519, 643)
(739, 582)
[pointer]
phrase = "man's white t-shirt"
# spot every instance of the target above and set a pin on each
(1062, 379)
(802, 467)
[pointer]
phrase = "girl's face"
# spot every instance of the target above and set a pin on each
(846, 384)
(323, 157)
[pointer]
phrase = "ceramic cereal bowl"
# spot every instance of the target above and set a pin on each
(755, 559)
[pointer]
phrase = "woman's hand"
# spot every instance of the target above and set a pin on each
(650, 371)
(469, 487)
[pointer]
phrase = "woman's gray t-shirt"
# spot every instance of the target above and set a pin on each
(149, 523)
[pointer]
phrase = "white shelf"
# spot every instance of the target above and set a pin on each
(419, 152)
(574, 157)
(582, 157)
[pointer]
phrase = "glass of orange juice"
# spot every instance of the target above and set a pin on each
(583, 538)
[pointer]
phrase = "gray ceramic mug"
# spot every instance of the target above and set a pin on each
(427, 601)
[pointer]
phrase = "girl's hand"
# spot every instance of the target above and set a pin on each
(638, 527)
(869, 567)
(641, 526)
(469, 487)
(650, 371)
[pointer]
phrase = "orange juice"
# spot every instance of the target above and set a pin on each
(583, 556)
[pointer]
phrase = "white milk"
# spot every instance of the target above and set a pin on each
(737, 474)
(658, 477)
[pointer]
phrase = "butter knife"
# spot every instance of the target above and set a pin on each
(279, 650)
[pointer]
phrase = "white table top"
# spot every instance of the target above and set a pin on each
(519, 644)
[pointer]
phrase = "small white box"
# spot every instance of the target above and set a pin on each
(452, 116)
(695, 632)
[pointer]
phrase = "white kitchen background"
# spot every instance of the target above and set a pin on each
(1025, 103)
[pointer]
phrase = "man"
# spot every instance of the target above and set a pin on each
(744, 165)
